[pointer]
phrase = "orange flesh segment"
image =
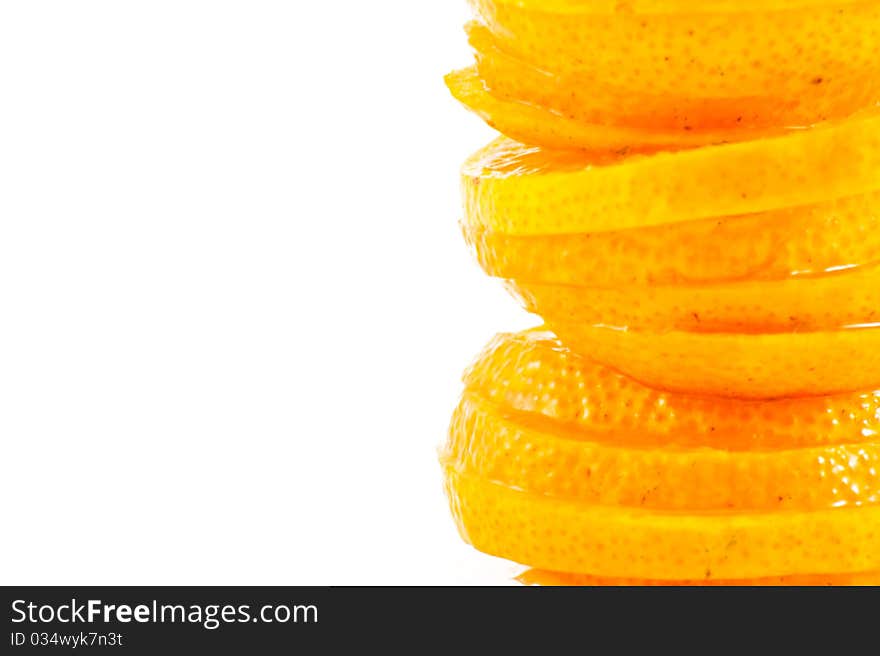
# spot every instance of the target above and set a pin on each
(703, 221)
(538, 577)
(534, 124)
(532, 373)
(518, 190)
(751, 366)
(668, 6)
(547, 459)
(568, 536)
(683, 69)
(796, 304)
(810, 239)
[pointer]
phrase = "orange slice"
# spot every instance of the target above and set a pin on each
(767, 365)
(795, 304)
(514, 189)
(548, 459)
(532, 373)
(669, 6)
(531, 123)
(537, 577)
(683, 69)
(764, 246)
(569, 536)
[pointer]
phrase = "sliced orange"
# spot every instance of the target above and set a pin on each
(796, 304)
(766, 246)
(569, 536)
(684, 68)
(533, 373)
(531, 123)
(766, 365)
(669, 6)
(514, 189)
(538, 577)
(549, 459)
(531, 104)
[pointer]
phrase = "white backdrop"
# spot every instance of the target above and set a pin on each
(234, 302)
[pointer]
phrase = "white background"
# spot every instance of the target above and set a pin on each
(234, 302)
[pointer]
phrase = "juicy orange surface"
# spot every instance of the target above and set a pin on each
(537, 577)
(809, 239)
(682, 68)
(558, 463)
(533, 373)
(670, 6)
(800, 303)
(765, 365)
(537, 418)
(514, 189)
(531, 123)
(691, 205)
(571, 536)
(545, 459)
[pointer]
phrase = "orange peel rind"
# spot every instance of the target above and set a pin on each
(749, 366)
(532, 373)
(678, 67)
(518, 190)
(568, 536)
(668, 6)
(801, 303)
(803, 240)
(537, 577)
(691, 205)
(532, 123)
(546, 459)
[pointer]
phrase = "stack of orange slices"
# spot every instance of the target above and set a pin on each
(688, 194)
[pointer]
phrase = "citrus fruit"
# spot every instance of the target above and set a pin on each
(514, 189)
(799, 303)
(551, 460)
(811, 239)
(533, 373)
(530, 123)
(560, 579)
(764, 365)
(682, 67)
(608, 541)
